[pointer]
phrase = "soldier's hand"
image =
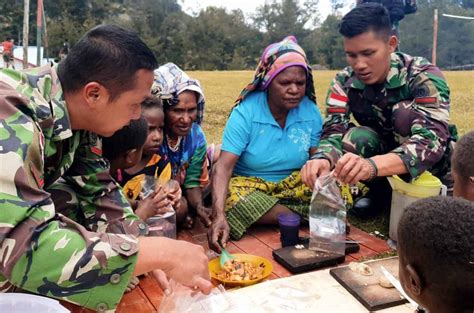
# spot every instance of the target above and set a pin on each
(182, 261)
(313, 169)
(163, 281)
(352, 168)
(189, 266)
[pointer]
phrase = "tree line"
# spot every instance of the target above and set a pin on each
(218, 39)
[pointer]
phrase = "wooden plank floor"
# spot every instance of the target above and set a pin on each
(260, 240)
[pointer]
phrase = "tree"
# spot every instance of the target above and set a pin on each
(330, 50)
(287, 17)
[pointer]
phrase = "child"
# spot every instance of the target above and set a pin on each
(462, 167)
(153, 164)
(124, 150)
(436, 254)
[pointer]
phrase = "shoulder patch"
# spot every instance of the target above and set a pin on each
(426, 100)
(337, 100)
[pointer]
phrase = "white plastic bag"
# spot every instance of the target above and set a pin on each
(327, 217)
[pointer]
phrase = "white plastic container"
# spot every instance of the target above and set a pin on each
(403, 194)
(28, 303)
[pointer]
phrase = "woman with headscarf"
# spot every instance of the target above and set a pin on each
(184, 142)
(272, 131)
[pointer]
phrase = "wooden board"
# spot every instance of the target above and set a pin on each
(366, 289)
(303, 260)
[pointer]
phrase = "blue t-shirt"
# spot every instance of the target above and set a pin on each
(265, 149)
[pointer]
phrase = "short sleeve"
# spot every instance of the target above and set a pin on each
(237, 132)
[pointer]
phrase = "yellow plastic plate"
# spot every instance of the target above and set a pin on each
(215, 267)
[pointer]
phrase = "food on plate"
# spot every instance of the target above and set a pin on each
(384, 282)
(236, 270)
(361, 268)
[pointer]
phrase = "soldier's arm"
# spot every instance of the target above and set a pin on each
(336, 122)
(102, 201)
(41, 251)
(428, 122)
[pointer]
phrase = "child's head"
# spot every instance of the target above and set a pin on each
(436, 253)
(124, 148)
(463, 167)
(152, 109)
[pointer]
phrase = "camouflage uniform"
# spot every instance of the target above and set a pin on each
(408, 115)
(88, 260)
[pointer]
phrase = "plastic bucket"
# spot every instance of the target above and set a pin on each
(23, 302)
(403, 194)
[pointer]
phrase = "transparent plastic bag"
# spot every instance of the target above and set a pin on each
(184, 300)
(327, 217)
(161, 225)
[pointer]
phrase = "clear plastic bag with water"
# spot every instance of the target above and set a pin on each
(161, 225)
(327, 217)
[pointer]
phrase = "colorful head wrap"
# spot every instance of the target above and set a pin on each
(275, 58)
(170, 81)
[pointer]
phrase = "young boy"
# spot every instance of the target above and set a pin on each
(436, 254)
(462, 167)
(124, 150)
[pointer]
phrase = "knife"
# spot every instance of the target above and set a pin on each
(398, 286)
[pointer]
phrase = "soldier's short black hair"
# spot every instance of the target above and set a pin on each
(461, 160)
(109, 55)
(364, 18)
(131, 136)
(435, 237)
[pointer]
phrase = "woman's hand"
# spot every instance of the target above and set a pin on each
(313, 169)
(219, 231)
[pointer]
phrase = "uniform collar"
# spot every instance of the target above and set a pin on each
(294, 115)
(49, 104)
(396, 76)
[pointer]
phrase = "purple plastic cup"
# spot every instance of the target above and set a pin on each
(289, 228)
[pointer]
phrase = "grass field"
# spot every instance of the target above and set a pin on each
(222, 88)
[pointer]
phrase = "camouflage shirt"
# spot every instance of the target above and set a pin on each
(41, 251)
(412, 82)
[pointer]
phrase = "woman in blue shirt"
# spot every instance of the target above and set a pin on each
(272, 131)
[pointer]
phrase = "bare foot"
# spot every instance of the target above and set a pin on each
(134, 281)
(188, 222)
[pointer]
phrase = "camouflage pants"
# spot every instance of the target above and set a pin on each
(363, 141)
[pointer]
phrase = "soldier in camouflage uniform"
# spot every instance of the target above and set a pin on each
(400, 103)
(49, 118)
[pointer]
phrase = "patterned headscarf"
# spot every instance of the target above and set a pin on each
(170, 81)
(275, 58)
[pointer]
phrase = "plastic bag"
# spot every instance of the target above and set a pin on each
(161, 225)
(327, 217)
(184, 299)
